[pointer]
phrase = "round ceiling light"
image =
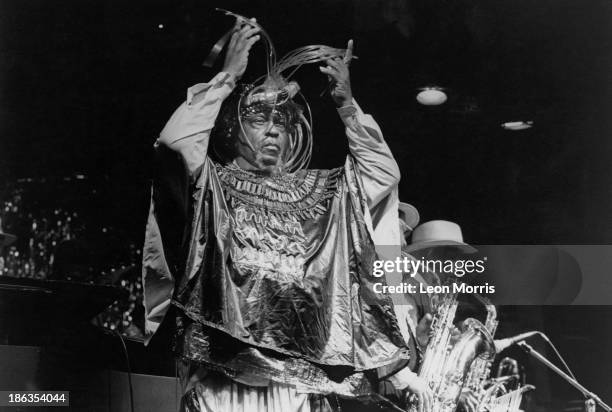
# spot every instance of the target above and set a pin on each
(518, 125)
(431, 96)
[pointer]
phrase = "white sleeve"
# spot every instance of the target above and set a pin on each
(380, 174)
(188, 130)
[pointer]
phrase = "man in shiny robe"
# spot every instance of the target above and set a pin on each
(269, 273)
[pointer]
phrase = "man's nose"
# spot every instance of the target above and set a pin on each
(272, 130)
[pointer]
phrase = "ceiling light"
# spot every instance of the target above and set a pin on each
(518, 125)
(431, 96)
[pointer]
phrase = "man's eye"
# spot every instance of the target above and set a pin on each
(257, 120)
(280, 121)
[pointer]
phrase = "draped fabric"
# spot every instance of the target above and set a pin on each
(217, 393)
(278, 281)
(270, 277)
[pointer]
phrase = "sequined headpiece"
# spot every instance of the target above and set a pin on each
(274, 89)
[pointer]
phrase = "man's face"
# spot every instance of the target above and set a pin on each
(267, 131)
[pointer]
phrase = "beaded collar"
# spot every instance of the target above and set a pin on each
(304, 194)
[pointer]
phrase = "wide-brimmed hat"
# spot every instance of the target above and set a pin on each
(436, 233)
(409, 215)
(6, 238)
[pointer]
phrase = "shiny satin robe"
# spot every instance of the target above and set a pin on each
(270, 277)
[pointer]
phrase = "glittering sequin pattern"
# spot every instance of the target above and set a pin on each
(268, 212)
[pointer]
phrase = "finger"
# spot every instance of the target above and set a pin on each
(245, 22)
(237, 24)
(233, 41)
(335, 63)
(338, 65)
(251, 25)
(328, 70)
(244, 41)
(349, 53)
(243, 31)
(240, 42)
(241, 24)
(252, 31)
(333, 74)
(251, 42)
(240, 28)
(422, 402)
(249, 22)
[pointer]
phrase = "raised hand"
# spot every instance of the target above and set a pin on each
(237, 55)
(338, 72)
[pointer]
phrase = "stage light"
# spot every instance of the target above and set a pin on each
(431, 96)
(517, 125)
(160, 26)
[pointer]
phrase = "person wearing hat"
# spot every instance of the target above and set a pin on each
(416, 313)
(431, 239)
(438, 239)
(438, 234)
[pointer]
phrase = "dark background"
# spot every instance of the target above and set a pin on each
(86, 86)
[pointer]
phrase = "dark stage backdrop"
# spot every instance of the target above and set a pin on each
(86, 86)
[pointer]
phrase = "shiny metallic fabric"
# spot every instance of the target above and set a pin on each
(277, 280)
(217, 393)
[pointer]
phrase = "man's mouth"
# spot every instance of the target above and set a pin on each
(270, 149)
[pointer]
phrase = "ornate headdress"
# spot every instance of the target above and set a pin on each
(275, 89)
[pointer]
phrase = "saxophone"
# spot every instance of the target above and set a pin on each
(480, 370)
(493, 394)
(445, 365)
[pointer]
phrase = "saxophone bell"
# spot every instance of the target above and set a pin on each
(474, 343)
(447, 362)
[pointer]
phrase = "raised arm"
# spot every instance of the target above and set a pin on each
(182, 147)
(380, 176)
(188, 130)
(378, 169)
